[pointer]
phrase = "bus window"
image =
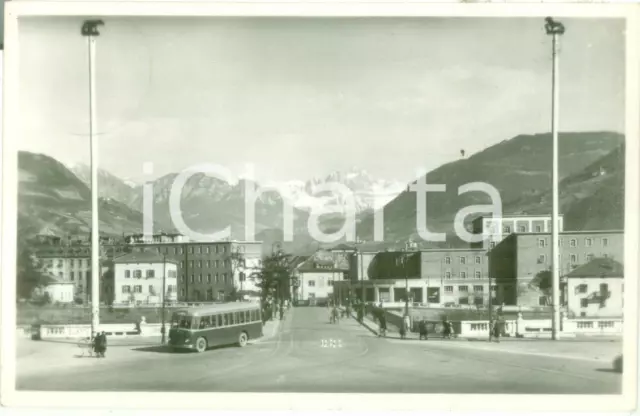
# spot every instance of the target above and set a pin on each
(240, 317)
(205, 322)
(230, 320)
(185, 322)
(247, 316)
(214, 321)
(224, 320)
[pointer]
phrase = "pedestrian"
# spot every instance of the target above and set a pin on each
(382, 331)
(403, 330)
(496, 330)
(407, 323)
(103, 346)
(422, 328)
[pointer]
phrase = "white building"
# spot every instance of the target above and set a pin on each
(596, 289)
(139, 278)
(315, 277)
(60, 291)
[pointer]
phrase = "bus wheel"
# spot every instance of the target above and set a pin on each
(201, 345)
(242, 339)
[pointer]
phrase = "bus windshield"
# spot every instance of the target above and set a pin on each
(181, 320)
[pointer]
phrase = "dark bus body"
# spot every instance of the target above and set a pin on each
(225, 324)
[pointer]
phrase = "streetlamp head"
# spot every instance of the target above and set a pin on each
(90, 27)
(552, 27)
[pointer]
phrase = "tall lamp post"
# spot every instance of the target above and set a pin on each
(163, 329)
(90, 31)
(555, 29)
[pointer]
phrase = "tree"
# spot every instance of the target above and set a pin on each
(237, 259)
(29, 272)
(274, 277)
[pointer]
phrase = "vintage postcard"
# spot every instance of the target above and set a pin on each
(356, 206)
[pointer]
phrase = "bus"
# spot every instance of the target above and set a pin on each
(218, 325)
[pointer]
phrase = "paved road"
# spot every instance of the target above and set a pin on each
(311, 355)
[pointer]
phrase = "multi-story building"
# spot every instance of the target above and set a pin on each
(207, 271)
(596, 289)
(316, 276)
(519, 258)
(139, 278)
(494, 230)
(69, 260)
(459, 276)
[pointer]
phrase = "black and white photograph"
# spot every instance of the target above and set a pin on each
(331, 200)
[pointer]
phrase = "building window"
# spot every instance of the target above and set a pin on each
(522, 229)
(582, 315)
(583, 288)
(478, 288)
(494, 288)
(193, 278)
(137, 274)
(71, 263)
(182, 252)
(541, 242)
(200, 278)
(448, 289)
(172, 273)
(447, 260)
(574, 259)
(182, 264)
(538, 229)
(584, 303)
(242, 277)
(447, 275)
(478, 275)
(217, 264)
(199, 250)
(507, 229)
(208, 263)
(573, 242)
(463, 260)
(200, 263)
(463, 275)
(224, 249)
(605, 242)
(208, 277)
(152, 290)
(137, 289)
(589, 257)
(542, 258)
(542, 301)
(478, 260)
(208, 251)
(191, 249)
(71, 276)
(151, 273)
(463, 288)
(588, 242)
(126, 289)
(182, 292)
(191, 264)
(175, 250)
(492, 244)
(312, 283)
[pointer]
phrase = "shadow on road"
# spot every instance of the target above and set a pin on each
(608, 370)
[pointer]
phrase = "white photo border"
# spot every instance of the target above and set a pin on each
(14, 10)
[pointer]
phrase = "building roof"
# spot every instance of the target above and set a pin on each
(599, 267)
(219, 308)
(143, 257)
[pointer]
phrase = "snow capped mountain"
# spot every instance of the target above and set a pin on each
(340, 189)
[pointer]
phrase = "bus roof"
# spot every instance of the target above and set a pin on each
(219, 308)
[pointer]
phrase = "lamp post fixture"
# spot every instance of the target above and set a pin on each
(555, 29)
(90, 31)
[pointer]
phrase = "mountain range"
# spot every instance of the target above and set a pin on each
(55, 198)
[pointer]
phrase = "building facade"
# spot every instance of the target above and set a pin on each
(207, 271)
(519, 258)
(316, 277)
(139, 279)
(596, 289)
(494, 230)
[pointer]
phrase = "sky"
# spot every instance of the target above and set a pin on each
(302, 97)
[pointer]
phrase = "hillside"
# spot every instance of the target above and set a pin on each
(519, 168)
(52, 200)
